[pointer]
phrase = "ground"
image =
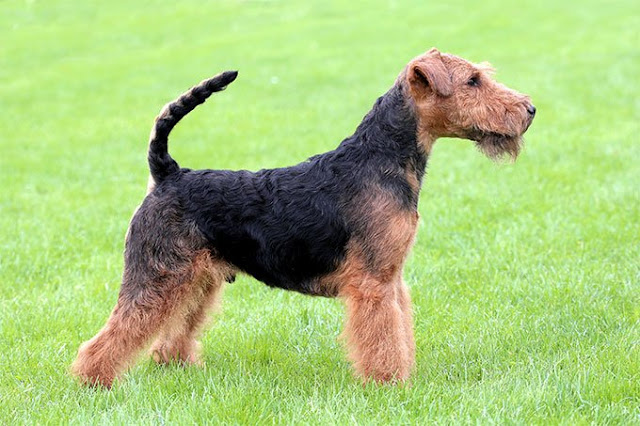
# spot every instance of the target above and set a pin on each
(525, 277)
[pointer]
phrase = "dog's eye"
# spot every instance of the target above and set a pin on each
(473, 81)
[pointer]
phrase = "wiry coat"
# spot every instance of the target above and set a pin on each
(339, 224)
(288, 227)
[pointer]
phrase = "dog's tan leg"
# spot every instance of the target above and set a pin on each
(376, 330)
(178, 339)
(141, 312)
(404, 300)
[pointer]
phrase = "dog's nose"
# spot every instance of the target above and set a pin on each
(531, 110)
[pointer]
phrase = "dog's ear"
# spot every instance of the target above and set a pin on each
(429, 70)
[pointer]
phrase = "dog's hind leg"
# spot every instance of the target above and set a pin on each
(137, 317)
(177, 341)
(159, 280)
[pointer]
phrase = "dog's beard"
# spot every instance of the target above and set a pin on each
(497, 146)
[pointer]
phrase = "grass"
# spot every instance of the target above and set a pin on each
(525, 277)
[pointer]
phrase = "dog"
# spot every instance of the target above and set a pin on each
(339, 224)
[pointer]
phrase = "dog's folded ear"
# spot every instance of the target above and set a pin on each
(429, 70)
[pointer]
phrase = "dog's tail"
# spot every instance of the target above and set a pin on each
(161, 164)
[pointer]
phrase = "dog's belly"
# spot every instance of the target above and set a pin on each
(281, 253)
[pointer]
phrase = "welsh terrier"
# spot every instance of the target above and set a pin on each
(339, 224)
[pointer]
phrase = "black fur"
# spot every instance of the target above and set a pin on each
(160, 162)
(289, 226)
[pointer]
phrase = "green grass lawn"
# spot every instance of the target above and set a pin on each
(525, 277)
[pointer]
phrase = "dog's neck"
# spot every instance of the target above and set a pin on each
(386, 142)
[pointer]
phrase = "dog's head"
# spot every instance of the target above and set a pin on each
(455, 98)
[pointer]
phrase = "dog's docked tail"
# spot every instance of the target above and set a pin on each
(161, 164)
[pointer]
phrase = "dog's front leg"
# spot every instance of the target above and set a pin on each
(378, 329)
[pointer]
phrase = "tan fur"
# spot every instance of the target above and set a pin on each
(151, 184)
(177, 313)
(412, 179)
(378, 328)
(177, 340)
(375, 329)
(491, 107)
